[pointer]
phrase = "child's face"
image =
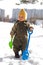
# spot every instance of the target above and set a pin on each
(21, 18)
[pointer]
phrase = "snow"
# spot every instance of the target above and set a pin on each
(35, 46)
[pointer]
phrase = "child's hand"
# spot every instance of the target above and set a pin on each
(11, 35)
(31, 29)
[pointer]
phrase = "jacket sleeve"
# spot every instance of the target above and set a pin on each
(30, 28)
(13, 31)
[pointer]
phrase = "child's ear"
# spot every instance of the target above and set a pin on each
(18, 18)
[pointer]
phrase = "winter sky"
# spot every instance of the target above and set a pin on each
(8, 5)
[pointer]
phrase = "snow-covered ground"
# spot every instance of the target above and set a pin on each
(35, 46)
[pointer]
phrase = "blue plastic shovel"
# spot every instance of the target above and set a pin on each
(25, 53)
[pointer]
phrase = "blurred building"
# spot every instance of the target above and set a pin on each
(2, 14)
(6, 19)
(15, 14)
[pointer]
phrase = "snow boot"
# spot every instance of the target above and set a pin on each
(17, 55)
